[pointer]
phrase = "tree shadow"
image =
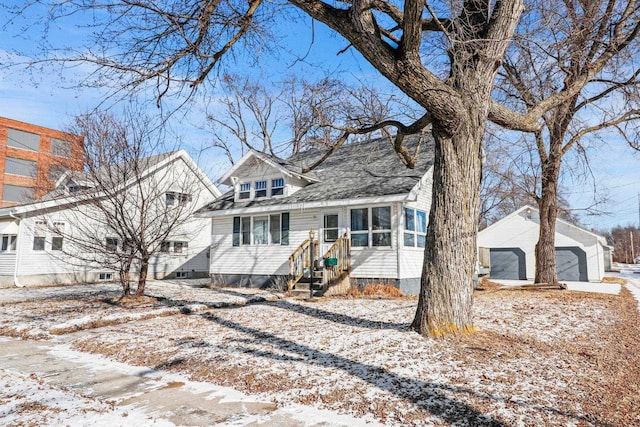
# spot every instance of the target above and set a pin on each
(343, 319)
(431, 397)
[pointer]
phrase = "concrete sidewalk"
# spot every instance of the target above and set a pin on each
(96, 391)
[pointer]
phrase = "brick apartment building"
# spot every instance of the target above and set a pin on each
(32, 158)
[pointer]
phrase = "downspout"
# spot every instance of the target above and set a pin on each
(598, 257)
(17, 262)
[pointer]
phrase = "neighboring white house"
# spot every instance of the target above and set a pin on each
(580, 254)
(261, 227)
(33, 253)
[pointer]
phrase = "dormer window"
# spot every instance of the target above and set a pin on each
(245, 191)
(261, 189)
(277, 187)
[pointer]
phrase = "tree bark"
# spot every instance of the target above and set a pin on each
(142, 278)
(446, 296)
(548, 207)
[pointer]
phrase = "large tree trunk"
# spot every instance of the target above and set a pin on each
(446, 296)
(548, 206)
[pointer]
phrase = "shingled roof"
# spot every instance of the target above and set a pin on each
(360, 169)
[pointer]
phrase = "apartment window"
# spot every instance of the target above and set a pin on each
(379, 234)
(8, 243)
(39, 233)
(165, 246)
(105, 276)
(277, 187)
(60, 148)
(415, 228)
(245, 190)
(180, 247)
(23, 140)
(261, 189)
(20, 167)
(173, 198)
(261, 230)
(111, 244)
(16, 193)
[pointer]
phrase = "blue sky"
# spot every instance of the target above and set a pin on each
(48, 97)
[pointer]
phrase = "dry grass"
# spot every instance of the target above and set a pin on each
(377, 290)
(618, 280)
(548, 357)
(485, 284)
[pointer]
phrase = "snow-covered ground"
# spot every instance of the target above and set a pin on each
(338, 361)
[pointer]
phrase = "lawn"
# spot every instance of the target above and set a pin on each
(537, 358)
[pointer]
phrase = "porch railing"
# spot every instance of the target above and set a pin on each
(341, 251)
(300, 262)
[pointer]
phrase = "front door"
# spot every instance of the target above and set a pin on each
(329, 230)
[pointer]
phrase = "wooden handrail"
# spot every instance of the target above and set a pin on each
(300, 260)
(341, 250)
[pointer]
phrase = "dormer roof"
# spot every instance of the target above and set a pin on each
(252, 158)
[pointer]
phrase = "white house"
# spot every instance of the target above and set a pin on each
(580, 254)
(367, 210)
(36, 238)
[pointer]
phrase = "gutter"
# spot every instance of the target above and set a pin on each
(17, 262)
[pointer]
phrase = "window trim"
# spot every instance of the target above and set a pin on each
(260, 191)
(11, 243)
(105, 276)
(370, 232)
(242, 237)
(244, 191)
(414, 233)
(279, 188)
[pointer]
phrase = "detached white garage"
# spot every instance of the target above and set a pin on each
(580, 254)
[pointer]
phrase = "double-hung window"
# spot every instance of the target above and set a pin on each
(415, 227)
(277, 187)
(371, 226)
(39, 235)
(245, 191)
(57, 236)
(261, 230)
(261, 189)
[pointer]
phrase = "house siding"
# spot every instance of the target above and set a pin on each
(410, 260)
(48, 267)
(261, 260)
